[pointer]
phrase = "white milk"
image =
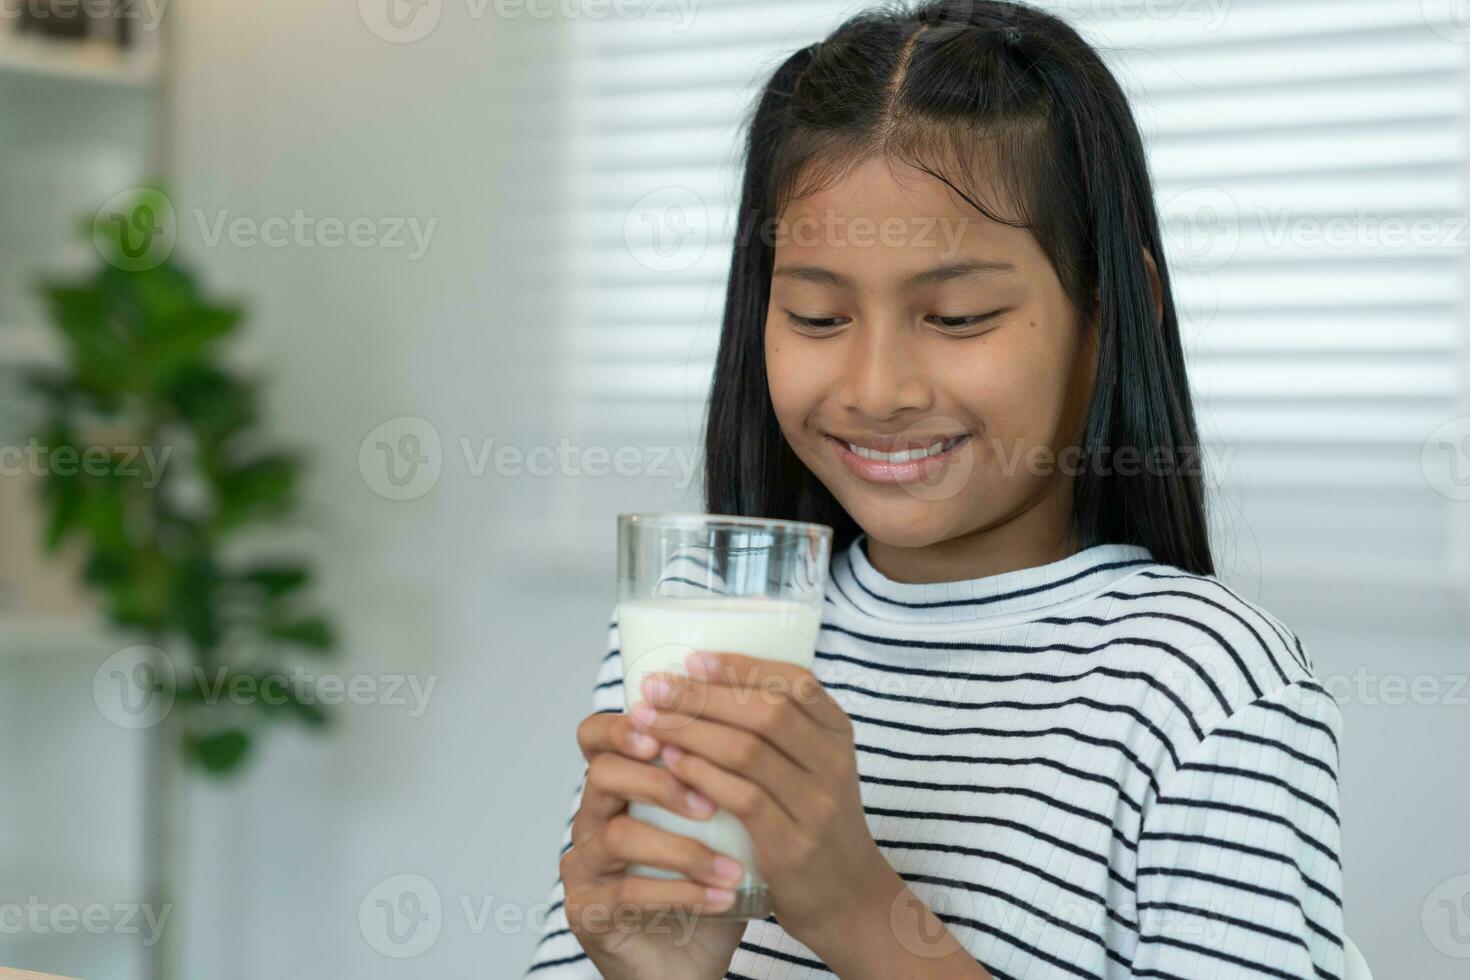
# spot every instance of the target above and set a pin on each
(657, 634)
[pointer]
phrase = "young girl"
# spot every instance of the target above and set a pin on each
(1047, 740)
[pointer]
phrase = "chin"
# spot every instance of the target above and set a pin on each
(909, 523)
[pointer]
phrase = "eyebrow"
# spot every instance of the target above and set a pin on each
(939, 273)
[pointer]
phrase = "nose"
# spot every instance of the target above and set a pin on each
(883, 374)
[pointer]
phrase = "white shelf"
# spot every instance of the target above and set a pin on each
(97, 62)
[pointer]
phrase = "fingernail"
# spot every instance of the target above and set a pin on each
(698, 664)
(728, 869)
(644, 744)
(657, 690)
(645, 713)
(719, 898)
(700, 804)
(672, 754)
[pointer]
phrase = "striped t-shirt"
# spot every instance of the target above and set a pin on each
(1099, 767)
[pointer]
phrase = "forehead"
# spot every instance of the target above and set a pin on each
(890, 219)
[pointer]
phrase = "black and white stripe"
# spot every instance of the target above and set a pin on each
(1098, 767)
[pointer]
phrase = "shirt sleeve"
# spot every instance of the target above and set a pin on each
(1239, 868)
(558, 955)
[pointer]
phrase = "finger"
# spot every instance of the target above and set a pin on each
(735, 749)
(768, 824)
(800, 684)
(613, 780)
(626, 840)
(596, 906)
(607, 732)
(767, 713)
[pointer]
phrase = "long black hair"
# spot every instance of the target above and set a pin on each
(1007, 90)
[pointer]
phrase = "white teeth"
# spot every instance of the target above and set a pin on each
(902, 456)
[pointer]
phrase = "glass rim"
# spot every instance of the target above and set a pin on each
(676, 519)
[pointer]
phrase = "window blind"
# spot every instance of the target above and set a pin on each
(1309, 161)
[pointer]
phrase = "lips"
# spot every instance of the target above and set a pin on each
(896, 459)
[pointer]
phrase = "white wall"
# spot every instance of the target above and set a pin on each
(284, 105)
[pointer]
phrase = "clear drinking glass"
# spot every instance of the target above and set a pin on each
(708, 582)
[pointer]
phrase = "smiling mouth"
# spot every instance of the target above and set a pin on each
(900, 460)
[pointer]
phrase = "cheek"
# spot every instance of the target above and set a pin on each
(1015, 383)
(794, 389)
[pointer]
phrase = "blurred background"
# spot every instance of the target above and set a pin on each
(333, 335)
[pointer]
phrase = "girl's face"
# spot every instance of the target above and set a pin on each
(924, 361)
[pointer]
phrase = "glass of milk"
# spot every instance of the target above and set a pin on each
(691, 582)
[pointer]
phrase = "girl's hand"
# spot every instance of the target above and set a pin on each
(633, 926)
(766, 741)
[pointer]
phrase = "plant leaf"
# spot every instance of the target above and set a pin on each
(219, 752)
(313, 632)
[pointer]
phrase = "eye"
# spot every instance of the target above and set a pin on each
(958, 324)
(816, 324)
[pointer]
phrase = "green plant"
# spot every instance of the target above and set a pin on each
(160, 470)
